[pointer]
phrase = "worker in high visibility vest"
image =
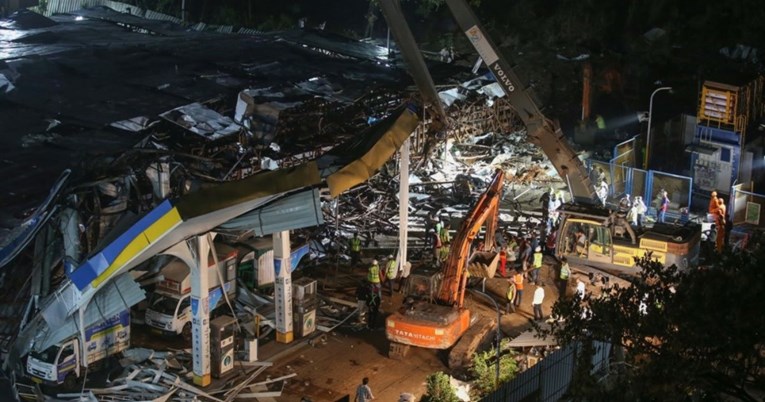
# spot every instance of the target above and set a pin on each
(518, 285)
(444, 234)
(391, 272)
(373, 277)
(537, 264)
(355, 247)
(443, 253)
(510, 297)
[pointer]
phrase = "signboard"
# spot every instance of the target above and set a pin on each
(752, 213)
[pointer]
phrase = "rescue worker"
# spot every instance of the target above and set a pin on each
(536, 303)
(545, 201)
(510, 296)
(391, 272)
(713, 207)
(362, 295)
(373, 304)
(721, 216)
(355, 246)
(502, 262)
(373, 277)
(565, 273)
(406, 268)
(518, 282)
(444, 253)
(602, 191)
(625, 204)
(526, 252)
(663, 206)
(537, 264)
(436, 246)
(640, 209)
(512, 251)
(444, 234)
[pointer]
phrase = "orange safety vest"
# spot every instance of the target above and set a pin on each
(518, 280)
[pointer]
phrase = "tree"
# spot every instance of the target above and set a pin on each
(439, 389)
(700, 332)
(484, 369)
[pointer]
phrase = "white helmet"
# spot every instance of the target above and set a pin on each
(538, 249)
(374, 262)
(390, 257)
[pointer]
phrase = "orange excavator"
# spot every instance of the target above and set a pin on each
(439, 319)
(435, 316)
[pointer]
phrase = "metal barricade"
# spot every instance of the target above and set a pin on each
(746, 207)
(678, 188)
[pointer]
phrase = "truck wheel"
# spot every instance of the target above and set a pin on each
(186, 332)
(70, 382)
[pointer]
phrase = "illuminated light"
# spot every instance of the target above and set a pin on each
(391, 324)
(79, 18)
(439, 331)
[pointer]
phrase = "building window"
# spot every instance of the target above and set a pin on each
(725, 155)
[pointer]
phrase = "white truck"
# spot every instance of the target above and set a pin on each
(169, 310)
(62, 363)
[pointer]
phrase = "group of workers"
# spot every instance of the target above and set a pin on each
(369, 292)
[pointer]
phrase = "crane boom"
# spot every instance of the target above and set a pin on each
(486, 210)
(543, 132)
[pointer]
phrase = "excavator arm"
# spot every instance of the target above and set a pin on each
(485, 210)
(542, 131)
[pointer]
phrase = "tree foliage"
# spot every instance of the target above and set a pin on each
(484, 368)
(439, 389)
(700, 332)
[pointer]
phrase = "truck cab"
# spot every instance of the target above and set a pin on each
(54, 364)
(169, 310)
(62, 363)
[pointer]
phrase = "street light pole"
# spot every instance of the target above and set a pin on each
(650, 116)
(499, 329)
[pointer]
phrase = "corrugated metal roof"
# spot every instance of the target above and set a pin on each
(118, 295)
(295, 211)
(123, 7)
(67, 6)
(248, 31)
(153, 15)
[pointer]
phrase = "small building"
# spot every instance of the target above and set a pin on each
(721, 152)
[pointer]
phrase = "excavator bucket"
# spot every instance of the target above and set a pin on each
(483, 264)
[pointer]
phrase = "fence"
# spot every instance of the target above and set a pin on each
(624, 179)
(549, 380)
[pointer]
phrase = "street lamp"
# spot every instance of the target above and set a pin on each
(499, 329)
(650, 115)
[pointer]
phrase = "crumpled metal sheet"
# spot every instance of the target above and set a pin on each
(202, 121)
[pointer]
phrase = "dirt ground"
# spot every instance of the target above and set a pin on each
(332, 369)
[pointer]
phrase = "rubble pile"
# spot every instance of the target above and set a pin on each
(483, 136)
(149, 375)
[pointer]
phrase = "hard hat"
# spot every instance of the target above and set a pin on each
(374, 262)
(538, 249)
(390, 256)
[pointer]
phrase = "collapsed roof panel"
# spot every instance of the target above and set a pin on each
(93, 71)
